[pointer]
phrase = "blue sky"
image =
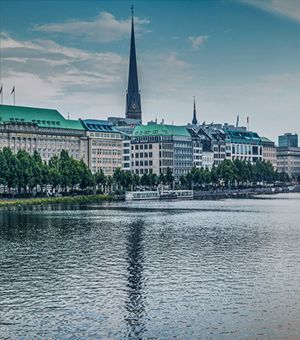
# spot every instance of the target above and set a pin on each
(236, 56)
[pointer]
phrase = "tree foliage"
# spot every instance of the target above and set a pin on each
(27, 174)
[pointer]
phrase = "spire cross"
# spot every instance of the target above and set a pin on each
(132, 10)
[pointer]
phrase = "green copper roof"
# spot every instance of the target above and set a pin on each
(44, 118)
(160, 130)
(241, 136)
(265, 139)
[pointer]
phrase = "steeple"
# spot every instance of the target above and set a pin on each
(194, 121)
(133, 98)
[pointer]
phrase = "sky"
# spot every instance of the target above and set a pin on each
(237, 57)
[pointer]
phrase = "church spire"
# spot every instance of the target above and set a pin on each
(133, 98)
(194, 121)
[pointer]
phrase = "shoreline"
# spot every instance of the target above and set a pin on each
(242, 193)
(198, 195)
(56, 200)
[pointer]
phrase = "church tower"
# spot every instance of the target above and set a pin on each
(133, 97)
(194, 121)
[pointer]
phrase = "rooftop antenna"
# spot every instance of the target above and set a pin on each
(13, 91)
(68, 115)
(248, 123)
(237, 121)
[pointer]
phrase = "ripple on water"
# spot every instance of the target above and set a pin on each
(219, 269)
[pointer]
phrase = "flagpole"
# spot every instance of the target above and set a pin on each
(1, 89)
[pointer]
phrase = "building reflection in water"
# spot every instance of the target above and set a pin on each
(135, 301)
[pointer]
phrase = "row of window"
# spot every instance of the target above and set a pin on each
(141, 147)
(143, 171)
(107, 144)
(105, 135)
(142, 155)
(106, 152)
(142, 163)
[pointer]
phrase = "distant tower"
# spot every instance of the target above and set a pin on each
(194, 121)
(133, 97)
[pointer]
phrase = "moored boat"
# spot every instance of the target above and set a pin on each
(164, 194)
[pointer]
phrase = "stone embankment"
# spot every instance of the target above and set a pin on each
(243, 193)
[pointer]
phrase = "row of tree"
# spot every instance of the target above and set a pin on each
(25, 173)
(234, 173)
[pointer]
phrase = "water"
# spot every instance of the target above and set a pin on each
(180, 269)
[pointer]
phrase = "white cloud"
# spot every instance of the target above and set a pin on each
(104, 28)
(287, 8)
(197, 41)
(46, 73)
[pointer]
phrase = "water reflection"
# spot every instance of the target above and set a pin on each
(135, 304)
(179, 269)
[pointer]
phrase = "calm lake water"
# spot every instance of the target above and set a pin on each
(181, 269)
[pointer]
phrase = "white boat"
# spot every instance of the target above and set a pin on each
(156, 195)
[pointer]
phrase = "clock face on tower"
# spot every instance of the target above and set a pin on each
(134, 106)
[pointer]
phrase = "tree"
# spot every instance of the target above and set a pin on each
(101, 179)
(24, 170)
(54, 175)
(36, 170)
(3, 170)
(169, 176)
(86, 178)
(135, 181)
(162, 179)
(10, 168)
(145, 180)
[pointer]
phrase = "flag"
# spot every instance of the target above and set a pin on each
(1, 89)
(248, 120)
(13, 90)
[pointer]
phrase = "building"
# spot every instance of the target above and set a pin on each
(133, 97)
(243, 145)
(197, 148)
(207, 159)
(157, 147)
(126, 152)
(105, 146)
(43, 130)
(288, 140)
(213, 140)
(288, 160)
(269, 151)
